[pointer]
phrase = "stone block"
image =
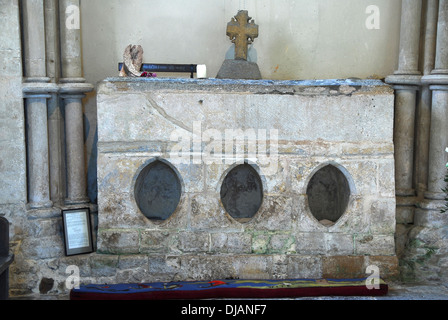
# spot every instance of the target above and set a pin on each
(387, 265)
(165, 268)
(343, 267)
(134, 268)
(308, 243)
(304, 267)
(386, 186)
(12, 172)
(207, 213)
(204, 128)
(118, 241)
(200, 267)
(339, 244)
(204, 207)
(282, 243)
(253, 266)
(364, 175)
(274, 214)
(44, 247)
(260, 243)
(381, 221)
(197, 242)
(103, 265)
(379, 245)
(236, 242)
(430, 218)
(278, 183)
(405, 214)
(156, 241)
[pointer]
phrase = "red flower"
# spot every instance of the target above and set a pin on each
(148, 75)
(217, 283)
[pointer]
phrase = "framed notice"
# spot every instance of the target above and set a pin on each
(77, 231)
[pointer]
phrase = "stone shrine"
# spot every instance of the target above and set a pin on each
(259, 179)
(242, 164)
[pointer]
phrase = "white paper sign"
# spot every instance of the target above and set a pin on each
(78, 234)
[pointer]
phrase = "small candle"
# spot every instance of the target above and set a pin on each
(201, 71)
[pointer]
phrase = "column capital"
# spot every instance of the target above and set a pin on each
(437, 77)
(404, 79)
(39, 89)
(74, 88)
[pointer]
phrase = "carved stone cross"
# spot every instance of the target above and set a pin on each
(242, 32)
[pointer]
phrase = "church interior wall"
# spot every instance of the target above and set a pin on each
(299, 39)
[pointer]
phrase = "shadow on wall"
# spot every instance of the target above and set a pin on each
(91, 145)
(252, 55)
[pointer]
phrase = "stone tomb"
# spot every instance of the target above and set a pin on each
(246, 179)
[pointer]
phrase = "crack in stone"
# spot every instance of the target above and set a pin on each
(163, 113)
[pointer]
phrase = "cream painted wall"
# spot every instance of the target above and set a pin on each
(299, 39)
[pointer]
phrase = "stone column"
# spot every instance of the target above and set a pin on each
(55, 118)
(405, 107)
(75, 155)
(73, 88)
(424, 105)
(36, 89)
(406, 81)
(438, 81)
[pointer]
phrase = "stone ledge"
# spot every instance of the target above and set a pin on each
(277, 87)
(248, 266)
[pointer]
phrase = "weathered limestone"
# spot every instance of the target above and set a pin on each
(73, 88)
(426, 254)
(438, 80)
(404, 138)
(36, 91)
(406, 80)
(70, 41)
(55, 122)
(421, 227)
(424, 105)
(37, 138)
(34, 38)
(33, 151)
(13, 189)
(141, 120)
(73, 93)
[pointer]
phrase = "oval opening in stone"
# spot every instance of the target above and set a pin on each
(242, 192)
(157, 191)
(328, 195)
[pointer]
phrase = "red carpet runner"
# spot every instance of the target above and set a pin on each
(229, 289)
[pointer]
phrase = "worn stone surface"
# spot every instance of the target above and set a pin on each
(141, 120)
(12, 144)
